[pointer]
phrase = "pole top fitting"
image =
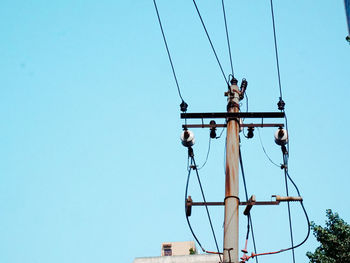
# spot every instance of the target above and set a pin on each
(233, 81)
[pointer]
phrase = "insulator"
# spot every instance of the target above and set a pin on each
(244, 85)
(281, 137)
(281, 104)
(250, 132)
(183, 106)
(187, 138)
(212, 129)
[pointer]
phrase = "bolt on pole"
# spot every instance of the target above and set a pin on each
(231, 179)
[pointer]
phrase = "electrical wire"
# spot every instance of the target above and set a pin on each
(211, 43)
(250, 223)
(281, 99)
(263, 148)
(276, 48)
(277, 63)
(227, 37)
(288, 205)
(167, 49)
(243, 174)
(294, 247)
(222, 131)
(306, 217)
(286, 120)
(193, 164)
(247, 106)
(206, 207)
(186, 191)
(206, 158)
(253, 237)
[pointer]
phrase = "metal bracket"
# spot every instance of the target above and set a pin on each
(262, 125)
(251, 202)
(225, 115)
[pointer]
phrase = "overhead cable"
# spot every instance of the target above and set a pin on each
(194, 166)
(263, 148)
(306, 217)
(285, 165)
(183, 104)
(206, 158)
(276, 48)
(250, 223)
(186, 191)
(211, 43)
(281, 103)
(227, 37)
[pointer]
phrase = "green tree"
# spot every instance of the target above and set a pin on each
(334, 239)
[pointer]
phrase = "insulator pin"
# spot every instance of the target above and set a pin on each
(212, 129)
(250, 132)
(183, 106)
(234, 81)
(281, 104)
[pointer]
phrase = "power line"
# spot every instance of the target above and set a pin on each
(285, 164)
(250, 223)
(281, 106)
(169, 56)
(206, 159)
(186, 191)
(211, 43)
(227, 37)
(194, 166)
(281, 103)
(285, 160)
(276, 48)
(206, 207)
(263, 148)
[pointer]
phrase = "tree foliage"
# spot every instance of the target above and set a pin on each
(334, 239)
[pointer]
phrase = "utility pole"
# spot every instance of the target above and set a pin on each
(231, 178)
(231, 201)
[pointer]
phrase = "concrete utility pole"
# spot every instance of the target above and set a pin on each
(231, 202)
(231, 181)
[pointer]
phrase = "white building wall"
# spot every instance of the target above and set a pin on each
(180, 259)
(180, 248)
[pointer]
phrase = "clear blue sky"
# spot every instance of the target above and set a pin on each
(92, 169)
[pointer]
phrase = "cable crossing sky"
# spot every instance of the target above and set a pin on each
(234, 124)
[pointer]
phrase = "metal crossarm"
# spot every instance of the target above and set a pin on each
(262, 125)
(217, 115)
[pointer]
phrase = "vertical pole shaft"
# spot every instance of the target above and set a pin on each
(231, 180)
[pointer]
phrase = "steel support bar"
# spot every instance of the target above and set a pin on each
(240, 203)
(262, 125)
(217, 115)
(207, 203)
